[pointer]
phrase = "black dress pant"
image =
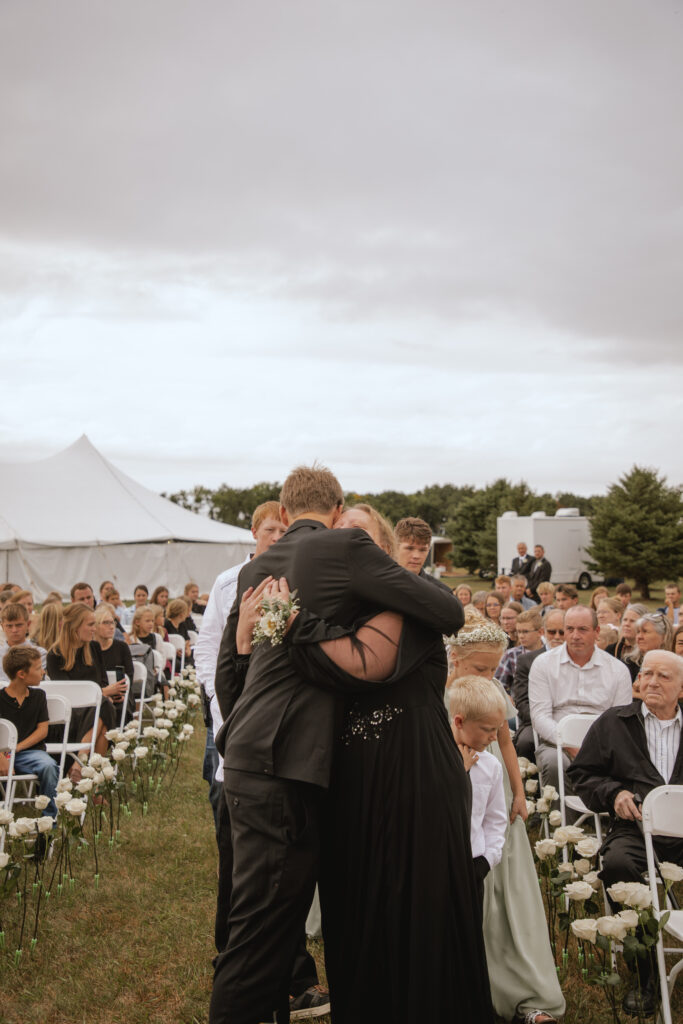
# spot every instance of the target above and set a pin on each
(275, 841)
(623, 854)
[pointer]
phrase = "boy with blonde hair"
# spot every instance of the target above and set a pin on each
(478, 710)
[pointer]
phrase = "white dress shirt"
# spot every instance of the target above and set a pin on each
(559, 687)
(221, 600)
(488, 827)
(663, 740)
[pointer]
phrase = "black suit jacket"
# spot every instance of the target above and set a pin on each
(614, 756)
(520, 685)
(274, 722)
(540, 574)
(521, 566)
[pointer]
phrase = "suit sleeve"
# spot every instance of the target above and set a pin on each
(520, 691)
(591, 773)
(231, 668)
(378, 579)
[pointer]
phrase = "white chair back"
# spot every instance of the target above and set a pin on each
(178, 643)
(80, 694)
(8, 742)
(570, 733)
(59, 710)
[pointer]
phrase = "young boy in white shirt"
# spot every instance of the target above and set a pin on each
(478, 710)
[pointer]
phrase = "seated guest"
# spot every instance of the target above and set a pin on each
(479, 600)
(626, 644)
(142, 626)
(607, 637)
(546, 592)
(671, 607)
(160, 596)
(508, 621)
(140, 599)
(609, 611)
(678, 641)
(503, 585)
(76, 655)
(566, 596)
(573, 679)
(15, 623)
(25, 597)
(517, 588)
(116, 656)
(654, 632)
(105, 590)
(494, 606)
(83, 593)
(463, 594)
(25, 705)
(529, 635)
(118, 610)
(191, 596)
(177, 614)
(553, 636)
(623, 592)
(48, 625)
(54, 595)
(627, 753)
(599, 594)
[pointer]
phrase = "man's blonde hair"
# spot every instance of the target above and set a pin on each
(502, 579)
(311, 489)
(266, 510)
(530, 617)
(474, 697)
(545, 588)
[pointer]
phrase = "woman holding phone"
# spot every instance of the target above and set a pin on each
(116, 654)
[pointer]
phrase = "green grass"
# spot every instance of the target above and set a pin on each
(138, 949)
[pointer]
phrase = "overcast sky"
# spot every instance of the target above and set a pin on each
(421, 242)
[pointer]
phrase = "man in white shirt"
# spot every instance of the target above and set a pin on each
(576, 678)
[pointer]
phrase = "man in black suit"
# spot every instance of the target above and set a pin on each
(279, 734)
(538, 572)
(521, 563)
(553, 636)
(628, 752)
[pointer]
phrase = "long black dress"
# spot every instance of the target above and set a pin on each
(401, 917)
(82, 719)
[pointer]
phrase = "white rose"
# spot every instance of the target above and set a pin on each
(585, 929)
(165, 723)
(523, 763)
(629, 917)
(99, 778)
(62, 799)
(545, 848)
(618, 891)
(550, 793)
(582, 867)
(96, 760)
(542, 806)
(588, 847)
(45, 824)
(5, 816)
(172, 714)
(85, 785)
(592, 878)
(4, 860)
(157, 712)
(41, 802)
(612, 928)
(269, 623)
(555, 819)
(140, 752)
(531, 769)
(76, 807)
(123, 745)
(639, 897)
(180, 705)
(182, 737)
(64, 786)
(188, 729)
(578, 891)
(113, 735)
(149, 730)
(531, 785)
(88, 772)
(530, 806)
(24, 826)
(109, 772)
(192, 700)
(172, 692)
(670, 872)
(568, 834)
(118, 754)
(164, 734)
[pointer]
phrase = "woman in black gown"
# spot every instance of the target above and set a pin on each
(401, 917)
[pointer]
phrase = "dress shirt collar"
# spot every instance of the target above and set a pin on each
(678, 717)
(593, 661)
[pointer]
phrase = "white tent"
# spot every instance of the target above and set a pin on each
(74, 517)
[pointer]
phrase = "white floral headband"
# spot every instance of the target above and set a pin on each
(483, 633)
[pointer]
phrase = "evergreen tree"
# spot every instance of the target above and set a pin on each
(637, 529)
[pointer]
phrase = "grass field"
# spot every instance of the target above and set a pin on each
(138, 949)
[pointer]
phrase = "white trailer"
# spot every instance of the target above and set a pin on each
(565, 537)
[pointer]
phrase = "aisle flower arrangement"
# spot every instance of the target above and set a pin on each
(42, 856)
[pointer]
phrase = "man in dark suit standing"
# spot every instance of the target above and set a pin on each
(538, 572)
(521, 563)
(279, 734)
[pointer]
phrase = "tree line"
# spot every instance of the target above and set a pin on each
(637, 526)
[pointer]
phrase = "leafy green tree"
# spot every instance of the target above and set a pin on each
(637, 529)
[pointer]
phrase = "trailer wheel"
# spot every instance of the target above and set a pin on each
(584, 581)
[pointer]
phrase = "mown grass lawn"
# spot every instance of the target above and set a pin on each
(138, 949)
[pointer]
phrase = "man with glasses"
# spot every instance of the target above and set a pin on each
(553, 636)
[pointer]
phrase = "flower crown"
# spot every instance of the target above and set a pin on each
(485, 632)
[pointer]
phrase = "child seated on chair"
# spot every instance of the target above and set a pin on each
(15, 621)
(478, 711)
(23, 704)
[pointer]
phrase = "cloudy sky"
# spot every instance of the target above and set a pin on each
(421, 242)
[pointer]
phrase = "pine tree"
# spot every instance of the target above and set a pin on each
(637, 529)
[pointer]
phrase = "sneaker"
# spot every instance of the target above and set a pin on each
(314, 1002)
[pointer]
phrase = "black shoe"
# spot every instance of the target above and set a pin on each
(314, 1002)
(643, 1003)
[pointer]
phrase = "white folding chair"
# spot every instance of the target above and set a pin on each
(140, 677)
(159, 664)
(59, 710)
(79, 694)
(193, 635)
(111, 676)
(663, 816)
(178, 643)
(571, 732)
(8, 744)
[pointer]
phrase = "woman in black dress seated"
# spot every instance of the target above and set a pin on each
(116, 656)
(402, 923)
(77, 656)
(176, 621)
